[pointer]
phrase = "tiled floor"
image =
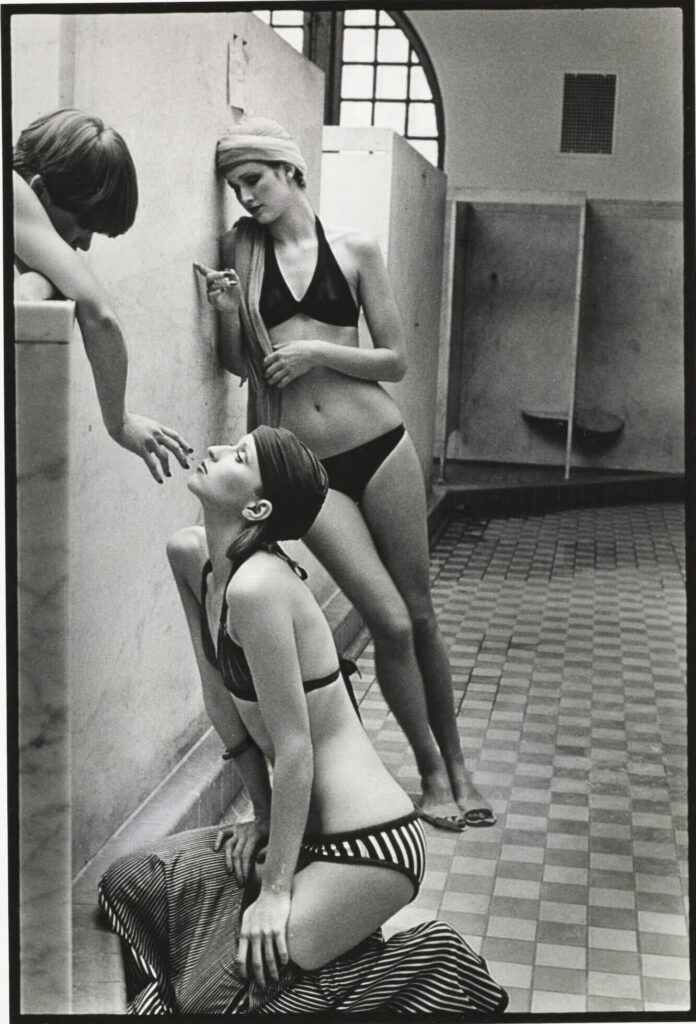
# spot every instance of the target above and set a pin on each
(567, 638)
(503, 474)
(470, 474)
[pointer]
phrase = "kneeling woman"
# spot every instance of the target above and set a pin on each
(345, 850)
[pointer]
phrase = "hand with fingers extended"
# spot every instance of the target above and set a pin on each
(239, 842)
(222, 288)
(289, 362)
(263, 942)
(152, 442)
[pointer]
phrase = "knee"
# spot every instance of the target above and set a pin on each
(303, 948)
(425, 625)
(392, 627)
(126, 878)
(305, 955)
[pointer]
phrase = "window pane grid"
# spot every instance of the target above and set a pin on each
(383, 82)
(353, 18)
(289, 24)
(588, 113)
(287, 19)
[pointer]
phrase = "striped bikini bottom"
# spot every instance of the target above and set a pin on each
(398, 844)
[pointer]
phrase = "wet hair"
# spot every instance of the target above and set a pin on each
(251, 539)
(86, 167)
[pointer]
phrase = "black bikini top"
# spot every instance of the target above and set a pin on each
(328, 298)
(230, 658)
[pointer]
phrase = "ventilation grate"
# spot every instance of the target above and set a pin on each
(588, 113)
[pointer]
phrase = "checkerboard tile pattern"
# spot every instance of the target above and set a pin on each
(566, 634)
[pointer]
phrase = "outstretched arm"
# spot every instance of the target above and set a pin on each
(39, 246)
(385, 361)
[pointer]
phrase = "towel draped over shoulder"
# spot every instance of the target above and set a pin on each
(245, 250)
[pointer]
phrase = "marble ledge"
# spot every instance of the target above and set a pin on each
(48, 321)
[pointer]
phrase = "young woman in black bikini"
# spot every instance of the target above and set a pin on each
(306, 372)
(344, 849)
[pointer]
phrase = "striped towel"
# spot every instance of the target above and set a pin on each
(177, 911)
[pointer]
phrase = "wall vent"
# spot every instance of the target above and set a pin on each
(588, 113)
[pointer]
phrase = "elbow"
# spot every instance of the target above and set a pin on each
(95, 316)
(399, 368)
(230, 361)
(291, 758)
(230, 364)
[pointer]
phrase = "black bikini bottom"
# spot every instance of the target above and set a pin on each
(352, 470)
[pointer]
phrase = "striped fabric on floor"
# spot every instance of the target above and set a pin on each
(177, 910)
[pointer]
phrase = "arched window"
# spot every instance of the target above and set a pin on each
(376, 68)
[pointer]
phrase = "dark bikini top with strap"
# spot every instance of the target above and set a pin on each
(328, 298)
(230, 658)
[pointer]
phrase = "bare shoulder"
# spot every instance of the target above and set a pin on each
(22, 194)
(356, 243)
(264, 581)
(187, 552)
(358, 254)
(27, 205)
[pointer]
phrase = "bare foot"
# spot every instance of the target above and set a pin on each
(437, 807)
(471, 803)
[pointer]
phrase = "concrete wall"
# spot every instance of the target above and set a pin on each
(501, 76)
(514, 295)
(631, 358)
(135, 700)
(373, 180)
(508, 330)
(35, 44)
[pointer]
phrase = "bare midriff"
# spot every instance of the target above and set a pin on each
(351, 788)
(328, 410)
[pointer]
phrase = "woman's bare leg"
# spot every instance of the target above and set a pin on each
(336, 906)
(395, 509)
(342, 542)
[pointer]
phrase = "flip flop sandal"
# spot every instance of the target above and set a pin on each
(480, 817)
(449, 822)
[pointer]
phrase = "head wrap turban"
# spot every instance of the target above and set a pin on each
(257, 138)
(292, 479)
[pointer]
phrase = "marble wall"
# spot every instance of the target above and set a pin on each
(43, 695)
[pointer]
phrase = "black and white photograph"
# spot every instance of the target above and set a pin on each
(347, 427)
